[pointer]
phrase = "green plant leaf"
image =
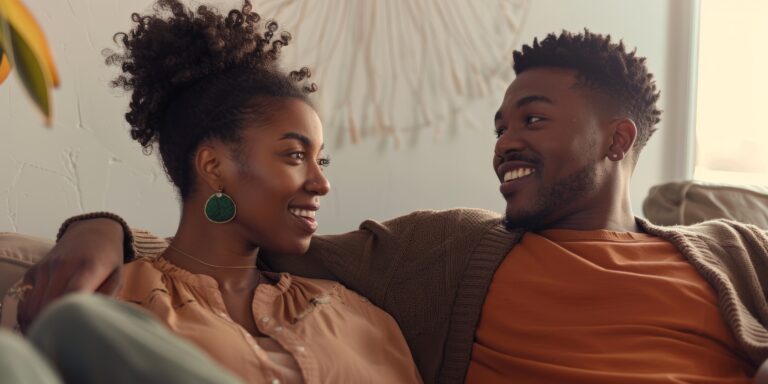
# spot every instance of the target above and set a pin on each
(28, 66)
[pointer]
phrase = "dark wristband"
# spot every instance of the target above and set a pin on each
(128, 252)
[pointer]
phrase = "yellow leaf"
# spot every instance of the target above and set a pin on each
(29, 67)
(22, 21)
(5, 66)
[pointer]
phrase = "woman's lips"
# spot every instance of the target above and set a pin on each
(306, 218)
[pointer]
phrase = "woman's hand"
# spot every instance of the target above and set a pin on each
(87, 258)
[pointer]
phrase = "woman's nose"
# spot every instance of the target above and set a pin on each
(318, 184)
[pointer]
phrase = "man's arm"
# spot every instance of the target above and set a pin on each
(88, 257)
(325, 254)
(371, 258)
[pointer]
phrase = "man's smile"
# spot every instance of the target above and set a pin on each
(517, 173)
(514, 175)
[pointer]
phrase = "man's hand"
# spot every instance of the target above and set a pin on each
(87, 258)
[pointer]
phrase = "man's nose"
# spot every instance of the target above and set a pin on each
(509, 141)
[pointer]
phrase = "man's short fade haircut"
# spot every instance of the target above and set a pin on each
(603, 66)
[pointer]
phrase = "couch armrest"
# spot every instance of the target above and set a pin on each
(17, 253)
(691, 202)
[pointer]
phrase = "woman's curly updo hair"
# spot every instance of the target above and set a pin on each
(197, 75)
(604, 66)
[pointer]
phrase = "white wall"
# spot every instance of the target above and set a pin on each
(87, 161)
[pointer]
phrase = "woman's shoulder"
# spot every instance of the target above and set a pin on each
(158, 269)
(309, 287)
(141, 277)
(311, 282)
(144, 268)
(320, 288)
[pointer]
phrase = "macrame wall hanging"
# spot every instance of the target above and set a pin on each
(386, 67)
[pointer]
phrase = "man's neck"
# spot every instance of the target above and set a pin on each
(611, 211)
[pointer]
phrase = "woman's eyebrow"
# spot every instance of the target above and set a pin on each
(306, 141)
(297, 136)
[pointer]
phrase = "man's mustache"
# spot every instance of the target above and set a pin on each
(517, 156)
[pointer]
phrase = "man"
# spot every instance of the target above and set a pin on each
(569, 287)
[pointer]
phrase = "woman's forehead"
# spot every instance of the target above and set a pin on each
(293, 121)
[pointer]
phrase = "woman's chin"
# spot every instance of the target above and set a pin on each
(296, 248)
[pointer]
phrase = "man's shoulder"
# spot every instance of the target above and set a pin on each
(412, 233)
(449, 217)
(716, 229)
(712, 236)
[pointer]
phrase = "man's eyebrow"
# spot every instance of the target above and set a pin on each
(523, 101)
(301, 138)
(533, 99)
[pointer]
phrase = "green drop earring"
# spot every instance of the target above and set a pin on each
(220, 208)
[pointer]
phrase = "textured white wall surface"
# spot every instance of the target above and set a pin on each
(87, 162)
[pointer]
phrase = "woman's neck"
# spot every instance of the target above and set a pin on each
(202, 248)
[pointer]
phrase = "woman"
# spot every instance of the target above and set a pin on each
(242, 144)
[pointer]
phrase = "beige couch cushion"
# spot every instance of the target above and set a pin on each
(17, 253)
(691, 202)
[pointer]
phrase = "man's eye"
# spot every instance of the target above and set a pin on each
(533, 119)
(297, 155)
(499, 131)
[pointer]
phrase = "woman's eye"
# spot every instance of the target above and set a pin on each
(297, 155)
(324, 161)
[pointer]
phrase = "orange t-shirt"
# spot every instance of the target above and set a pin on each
(571, 306)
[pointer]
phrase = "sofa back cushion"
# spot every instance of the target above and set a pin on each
(17, 253)
(692, 202)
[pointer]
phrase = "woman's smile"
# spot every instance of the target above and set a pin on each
(306, 217)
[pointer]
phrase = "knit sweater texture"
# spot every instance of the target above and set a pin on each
(431, 270)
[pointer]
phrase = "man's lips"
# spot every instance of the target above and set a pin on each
(513, 174)
(513, 170)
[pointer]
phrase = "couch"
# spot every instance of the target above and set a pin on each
(691, 202)
(667, 204)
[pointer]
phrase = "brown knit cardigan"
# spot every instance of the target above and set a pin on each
(431, 269)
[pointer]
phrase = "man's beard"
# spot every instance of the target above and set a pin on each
(555, 198)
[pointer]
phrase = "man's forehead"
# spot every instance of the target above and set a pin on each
(548, 82)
